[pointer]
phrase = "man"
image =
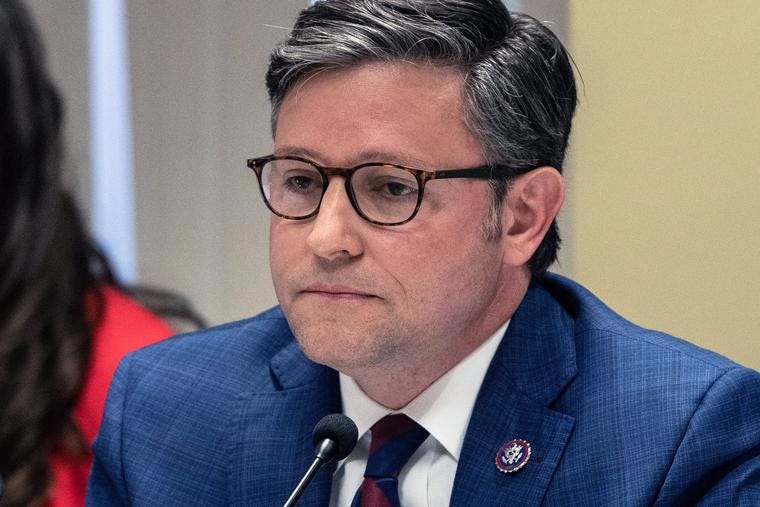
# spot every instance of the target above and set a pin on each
(414, 186)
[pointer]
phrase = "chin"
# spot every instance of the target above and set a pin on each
(342, 351)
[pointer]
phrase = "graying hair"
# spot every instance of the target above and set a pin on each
(519, 89)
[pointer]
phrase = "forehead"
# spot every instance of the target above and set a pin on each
(411, 112)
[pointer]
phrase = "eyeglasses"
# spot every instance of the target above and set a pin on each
(383, 194)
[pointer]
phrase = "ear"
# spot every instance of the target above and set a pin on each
(532, 202)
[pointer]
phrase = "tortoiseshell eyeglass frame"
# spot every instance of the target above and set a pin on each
(485, 172)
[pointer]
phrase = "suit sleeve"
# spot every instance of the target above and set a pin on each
(718, 460)
(107, 485)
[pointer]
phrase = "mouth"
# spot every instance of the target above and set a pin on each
(338, 292)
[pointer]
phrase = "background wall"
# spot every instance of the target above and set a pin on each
(665, 166)
(201, 110)
(63, 26)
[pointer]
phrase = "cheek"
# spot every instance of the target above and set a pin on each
(437, 268)
(275, 248)
(284, 250)
(286, 237)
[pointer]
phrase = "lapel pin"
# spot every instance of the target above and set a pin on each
(513, 455)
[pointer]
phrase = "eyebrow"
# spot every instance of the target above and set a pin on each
(395, 157)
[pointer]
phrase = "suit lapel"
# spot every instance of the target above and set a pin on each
(273, 445)
(534, 362)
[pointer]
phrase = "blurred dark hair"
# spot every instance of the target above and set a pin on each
(48, 297)
(50, 273)
(519, 87)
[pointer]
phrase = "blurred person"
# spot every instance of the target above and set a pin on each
(64, 320)
(414, 183)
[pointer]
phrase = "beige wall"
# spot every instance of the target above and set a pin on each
(63, 29)
(665, 164)
(200, 109)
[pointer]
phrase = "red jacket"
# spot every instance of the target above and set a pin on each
(125, 326)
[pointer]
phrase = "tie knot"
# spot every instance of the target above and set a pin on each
(394, 439)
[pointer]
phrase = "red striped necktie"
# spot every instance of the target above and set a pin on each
(394, 440)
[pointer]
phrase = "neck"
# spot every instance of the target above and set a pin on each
(395, 388)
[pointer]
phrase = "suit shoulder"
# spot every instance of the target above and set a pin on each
(172, 405)
(654, 415)
(600, 330)
(237, 352)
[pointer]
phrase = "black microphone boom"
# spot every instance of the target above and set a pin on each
(334, 437)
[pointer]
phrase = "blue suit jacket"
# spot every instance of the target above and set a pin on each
(616, 415)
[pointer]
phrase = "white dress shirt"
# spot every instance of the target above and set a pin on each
(443, 409)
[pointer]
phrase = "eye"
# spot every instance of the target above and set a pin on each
(386, 183)
(301, 181)
(397, 188)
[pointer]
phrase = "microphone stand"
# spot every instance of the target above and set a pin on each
(326, 449)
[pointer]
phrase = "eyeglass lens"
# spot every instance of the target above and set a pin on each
(382, 193)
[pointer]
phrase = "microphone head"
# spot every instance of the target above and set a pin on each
(341, 430)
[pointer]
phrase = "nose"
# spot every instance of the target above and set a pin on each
(334, 234)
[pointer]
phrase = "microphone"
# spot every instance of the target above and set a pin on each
(334, 437)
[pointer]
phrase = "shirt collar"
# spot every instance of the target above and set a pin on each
(443, 409)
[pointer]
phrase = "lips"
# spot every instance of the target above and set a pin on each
(336, 291)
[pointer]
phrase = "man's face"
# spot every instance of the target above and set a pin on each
(361, 297)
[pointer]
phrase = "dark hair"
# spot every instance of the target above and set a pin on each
(519, 87)
(51, 274)
(48, 299)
